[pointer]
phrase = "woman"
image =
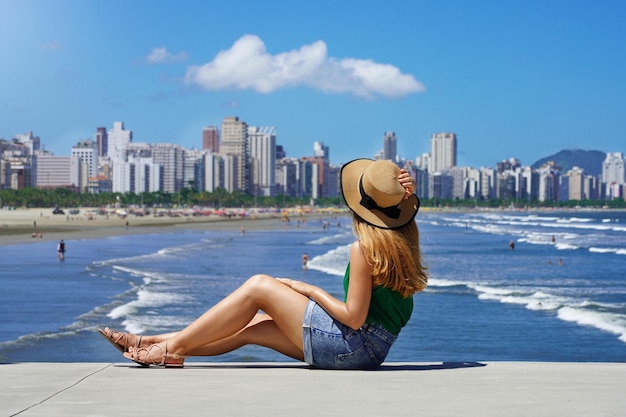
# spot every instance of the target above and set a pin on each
(304, 321)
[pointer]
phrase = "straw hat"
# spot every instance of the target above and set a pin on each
(371, 189)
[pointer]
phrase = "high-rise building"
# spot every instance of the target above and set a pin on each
(31, 142)
(211, 139)
(171, 158)
(213, 166)
(576, 184)
(549, 180)
(102, 141)
(118, 140)
(423, 162)
(262, 144)
(443, 151)
(613, 168)
(390, 151)
(235, 143)
(287, 177)
(613, 174)
(87, 152)
(58, 171)
(321, 151)
(230, 164)
(143, 175)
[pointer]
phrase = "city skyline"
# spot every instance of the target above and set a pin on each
(511, 79)
(199, 146)
(250, 161)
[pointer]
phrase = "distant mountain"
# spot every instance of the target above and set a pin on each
(590, 161)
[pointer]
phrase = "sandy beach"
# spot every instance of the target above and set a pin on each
(39, 224)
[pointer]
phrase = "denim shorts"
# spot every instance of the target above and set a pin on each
(328, 344)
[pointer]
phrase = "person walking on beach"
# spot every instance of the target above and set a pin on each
(305, 260)
(61, 250)
(304, 321)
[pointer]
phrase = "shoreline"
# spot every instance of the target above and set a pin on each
(30, 225)
(38, 225)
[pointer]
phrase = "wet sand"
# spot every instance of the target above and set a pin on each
(35, 225)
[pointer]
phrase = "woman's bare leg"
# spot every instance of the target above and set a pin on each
(235, 313)
(260, 331)
(130, 340)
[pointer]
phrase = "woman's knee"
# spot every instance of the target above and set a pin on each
(259, 282)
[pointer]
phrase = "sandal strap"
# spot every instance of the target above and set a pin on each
(126, 337)
(147, 358)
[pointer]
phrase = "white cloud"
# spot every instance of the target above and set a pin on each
(162, 55)
(247, 65)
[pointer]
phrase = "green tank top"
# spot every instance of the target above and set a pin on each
(387, 307)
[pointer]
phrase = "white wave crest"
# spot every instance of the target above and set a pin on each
(147, 299)
(332, 262)
(607, 322)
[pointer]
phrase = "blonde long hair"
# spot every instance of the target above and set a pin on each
(394, 255)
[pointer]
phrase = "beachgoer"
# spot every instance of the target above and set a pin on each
(512, 245)
(305, 260)
(61, 249)
(304, 321)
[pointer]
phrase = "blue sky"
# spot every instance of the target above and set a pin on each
(511, 78)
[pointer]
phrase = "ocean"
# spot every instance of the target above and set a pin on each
(559, 295)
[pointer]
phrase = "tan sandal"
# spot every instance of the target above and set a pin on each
(107, 333)
(178, 362)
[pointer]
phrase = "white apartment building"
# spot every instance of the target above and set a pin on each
(613, 174)
(171, 158)
(442, 151)
(231, 172)
(423, 162)
(58, 171)
(213, 177)
(458, 175)
(118, 140)
(320, 150)
(145, 175)
(31, 142)
(286, 177)
(262, 145)
(473, 182)
(192, 169)
(87, 152)
(488, 177)
(549, 181)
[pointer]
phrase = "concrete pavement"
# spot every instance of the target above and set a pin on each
(290, 389)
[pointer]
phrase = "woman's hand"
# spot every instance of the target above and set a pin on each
(407, 182)
(298, 286)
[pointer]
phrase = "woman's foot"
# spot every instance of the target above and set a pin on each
(120, 340)
(156, 354)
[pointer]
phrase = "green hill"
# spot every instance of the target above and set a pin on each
(590, 161)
